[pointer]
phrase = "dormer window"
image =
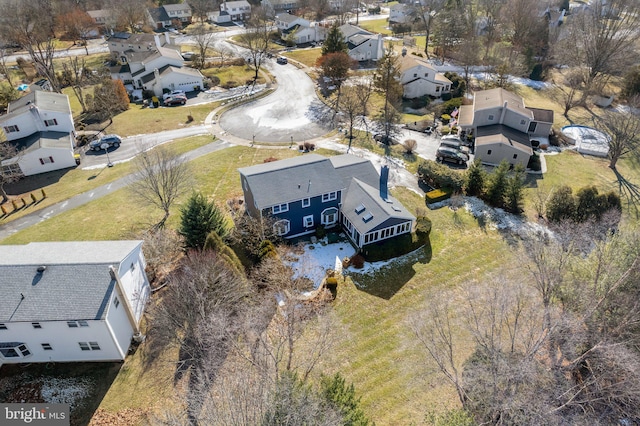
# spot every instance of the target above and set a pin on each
(490, 118)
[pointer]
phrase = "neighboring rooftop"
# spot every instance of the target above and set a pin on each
(49, 101)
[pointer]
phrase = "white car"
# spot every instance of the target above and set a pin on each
(174, 93)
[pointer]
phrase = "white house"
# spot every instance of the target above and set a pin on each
(152, 63)
(40, 125)
(362, 44)
(70, 301)
(273, 7)
(299, 30)
(239, 10)
(504, 127)
(419, 78)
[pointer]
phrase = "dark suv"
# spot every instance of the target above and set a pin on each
(109, 140)
(450, 154)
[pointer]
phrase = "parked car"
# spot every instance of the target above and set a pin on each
(173, 94)
(282, 60)
(188, 56)
(455, 144)
(109, 140)
(175, 100)
(450, 154)
(387, 140)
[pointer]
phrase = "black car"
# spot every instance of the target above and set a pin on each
(108, 140)
(450, 154)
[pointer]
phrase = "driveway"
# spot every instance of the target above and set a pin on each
(133, 145)
(292, 112)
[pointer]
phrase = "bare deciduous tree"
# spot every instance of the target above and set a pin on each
(623, 129)
(75, 69)
(204, 39)
(161, 177)
(256, 40)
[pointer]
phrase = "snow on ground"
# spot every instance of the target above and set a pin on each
(65, 390)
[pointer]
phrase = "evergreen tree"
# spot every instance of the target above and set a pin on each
(199, 218)
(215, 243)
(497, 185)
(514, 191)
(561, 205)
(343, 397)
(334, 42)
(475, 179)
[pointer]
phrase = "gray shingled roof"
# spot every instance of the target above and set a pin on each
(502, 134)
(385, 213)
(292, 179)
(158, 14)
(49, 101)
(44, 140)
(76, 284)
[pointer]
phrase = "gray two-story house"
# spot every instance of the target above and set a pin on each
(504, 127)
(309, 191)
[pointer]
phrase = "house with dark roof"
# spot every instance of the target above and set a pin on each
(70, 301)
(305, 192)
(151, 62)
(504, 128)
(362, 44)
(40, 126)
(164, 16)
(299, 30)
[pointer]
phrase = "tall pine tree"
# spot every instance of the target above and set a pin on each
(334, 42)
(199, 218)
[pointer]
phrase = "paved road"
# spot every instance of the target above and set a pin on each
(36, 217)
(292, 111)
(133, 145)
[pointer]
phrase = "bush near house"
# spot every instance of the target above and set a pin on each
(440, 176)
(437, 195)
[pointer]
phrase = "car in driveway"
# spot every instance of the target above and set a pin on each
(174, 93)
(455, 144)
(282, 60)
(451, 154)
(108, 140)
(387, 140)
(175, 100)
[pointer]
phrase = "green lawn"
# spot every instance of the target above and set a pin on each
(63, 184)
(377, 26)
(306, 56)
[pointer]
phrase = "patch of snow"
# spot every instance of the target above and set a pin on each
(66, 390)
(317, 258)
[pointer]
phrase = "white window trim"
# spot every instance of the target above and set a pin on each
(324, 213)
(307, 221)
(306, 202)
(329, 196)
(286, 229)
(280, 208)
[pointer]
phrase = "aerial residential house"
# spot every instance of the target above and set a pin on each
(151, 63)
(103, 17)
(274, 7)
(419, 78)
(504, 128)
(237, 10)
(71, 301)
(40, 125)
(362, 44)
(401, 13)
(299, 30)
(165, 16)
(344, 192)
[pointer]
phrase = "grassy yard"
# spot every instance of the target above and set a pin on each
(380, 26)
(306, 56)
(63, 184)
(233, 75)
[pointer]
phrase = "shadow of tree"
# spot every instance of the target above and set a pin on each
(389, 279)
(629, 191)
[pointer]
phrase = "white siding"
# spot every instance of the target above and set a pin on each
(134, 281)
(64, 341)
(119, 325)
(26, 125)
(62, 158)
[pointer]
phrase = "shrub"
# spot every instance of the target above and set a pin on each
(561, 205)
(475, 179)
(440, 176)
(423, 225)
(301, 147)
(308, 146)
(534, 163)
(445, 130)
(199, 217)
(321, 232)
(437, 195)
(230, 84)
(631, 83)
(33, 197)
(410, 145)
(497, 185)
(357, 260)
(448, 106)
(445, 118)
(267, 249)
(331, 281)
